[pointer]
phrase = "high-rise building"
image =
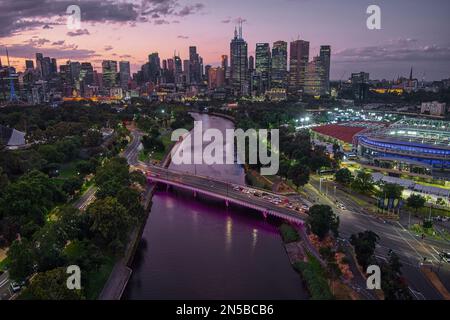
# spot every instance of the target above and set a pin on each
(299, 57)
(225, 68)
(29, 64)
(314, 78)
(216, 78)
(279, 65)
(39, 58)
(109, 74)
(53, 66)
(196, 65)
(325, 58)
(239, 63)
(251, 64)
(187, 71)
(87, 73)
(125, 74)
(178, 70)
(154, 67)
(207, 67)
(360, 85)
(262, 65)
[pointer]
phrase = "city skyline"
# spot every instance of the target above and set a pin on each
(403, 42)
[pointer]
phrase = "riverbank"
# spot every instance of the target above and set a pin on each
(121, 273)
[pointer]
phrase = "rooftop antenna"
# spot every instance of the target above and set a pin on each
(240, 28)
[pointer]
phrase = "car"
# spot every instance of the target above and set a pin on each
(16, 286)
(257, 194)
(444, 219)
(445, 256)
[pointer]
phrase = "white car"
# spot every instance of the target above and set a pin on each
(445, 256)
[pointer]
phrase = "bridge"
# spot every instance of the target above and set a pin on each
(227, 192)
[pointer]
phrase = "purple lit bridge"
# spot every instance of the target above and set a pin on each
(217, 189)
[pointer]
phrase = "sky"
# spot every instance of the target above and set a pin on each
(413, 33)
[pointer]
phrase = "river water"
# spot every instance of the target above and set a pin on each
(198, 249)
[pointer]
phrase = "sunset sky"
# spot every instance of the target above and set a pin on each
(414, 33)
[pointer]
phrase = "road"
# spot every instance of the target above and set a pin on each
(393, 235)
(86, 199)
(5, 290)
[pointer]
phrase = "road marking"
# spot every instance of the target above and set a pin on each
(420, 243)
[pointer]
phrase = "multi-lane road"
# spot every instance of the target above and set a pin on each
(393, 236)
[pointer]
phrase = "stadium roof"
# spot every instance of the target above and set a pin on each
(340, 132)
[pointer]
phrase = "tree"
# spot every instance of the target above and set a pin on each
(30, 198)
(285, 166)
(51, 285)
(49, 245)
(109, 223)
(139, 178)
(151, 143)
(51, 154)
(322, 220)
(115, 168)
(299, 174)
(4, 181)
(344, 176)
(393, 284)
(72, 185)
(21, 258)
(130, 199)
(363, 182)
(365, 245)
(416, 201)
(391, 191)
(93, 138)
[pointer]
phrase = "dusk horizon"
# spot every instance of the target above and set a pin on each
(131, 30)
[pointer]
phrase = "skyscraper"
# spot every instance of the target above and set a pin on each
(216, 78)
(195, 62)
(279, 65)
(154, 67)
(325, 58)
(251, 64)
(125, 74)
(178, 70)
(262, 65)
(225, 68)
(87, 73)
(109, 71)
(239, 63)
(299, 57)
(39, 58)
(29, 64)
(314, 78)
(187, 71)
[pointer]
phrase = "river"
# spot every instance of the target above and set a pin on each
(193, 249)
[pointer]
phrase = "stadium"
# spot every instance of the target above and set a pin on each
(410, 145)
